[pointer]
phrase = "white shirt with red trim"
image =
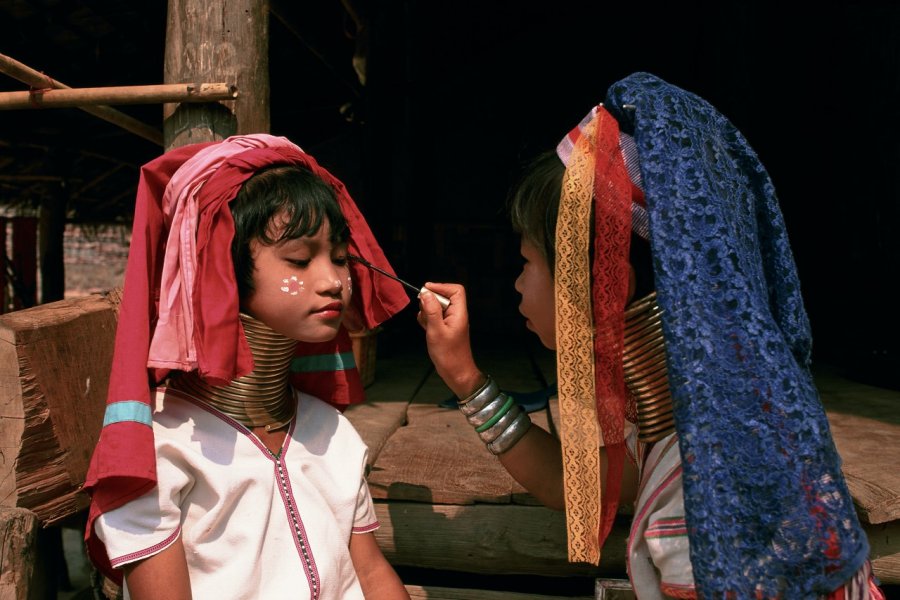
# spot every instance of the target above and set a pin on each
(253, 525)
(659, 563)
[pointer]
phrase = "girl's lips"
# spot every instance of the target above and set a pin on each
(335, 309)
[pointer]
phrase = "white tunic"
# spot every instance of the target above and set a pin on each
(659, 563)
(253, 525)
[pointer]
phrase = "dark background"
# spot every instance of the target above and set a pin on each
(458, 97)
(458, 94)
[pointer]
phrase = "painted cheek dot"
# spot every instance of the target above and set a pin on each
(292, 285)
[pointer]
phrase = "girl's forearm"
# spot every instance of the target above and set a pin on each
(145, 578)
(536, 463)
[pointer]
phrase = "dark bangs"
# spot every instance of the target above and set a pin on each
(306, 201)
(534, 203)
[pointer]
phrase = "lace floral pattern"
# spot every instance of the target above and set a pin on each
(768, 511)
(579, 429)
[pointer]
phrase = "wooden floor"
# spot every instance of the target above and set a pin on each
(447, 506)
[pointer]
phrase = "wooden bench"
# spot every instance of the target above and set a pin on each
(447, 504)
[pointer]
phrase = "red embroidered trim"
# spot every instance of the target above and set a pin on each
(678, 591)
(366, 528)
(154, 549)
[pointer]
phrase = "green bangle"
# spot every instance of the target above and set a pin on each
(503, 410)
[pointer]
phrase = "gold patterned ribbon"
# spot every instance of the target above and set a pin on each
(580, 430)
(595, 211)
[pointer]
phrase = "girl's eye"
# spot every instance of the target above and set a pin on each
(300, 262)
(340, 260)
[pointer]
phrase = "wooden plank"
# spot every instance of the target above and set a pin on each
(884, 541)
(614, 589)
(437, 458)
(54, 373)
(384, 410)
(376, 422)
(452, 466)
(870, 451)
(491, 539)
(20, 576)
(513, 367)
(865, 425)
(437, 438)
(430, 592)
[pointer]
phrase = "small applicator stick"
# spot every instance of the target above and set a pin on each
(444, 302)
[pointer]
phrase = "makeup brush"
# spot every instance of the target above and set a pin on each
(444, 302)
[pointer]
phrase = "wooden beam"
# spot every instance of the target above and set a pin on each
(133, 94)
(217, 41)
(490, 539)
(54, 372)
(36, 79)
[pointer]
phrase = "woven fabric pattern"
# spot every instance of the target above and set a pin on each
(768, 511)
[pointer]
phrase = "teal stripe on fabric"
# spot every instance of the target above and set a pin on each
(128, 410)
(323, 362)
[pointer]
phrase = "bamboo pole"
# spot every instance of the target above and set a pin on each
(36, 79)
(134, 94)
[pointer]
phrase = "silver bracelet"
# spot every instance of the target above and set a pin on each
(487, 413)
(487, 382)
(489, 435)
(480, 398)
(512, 435)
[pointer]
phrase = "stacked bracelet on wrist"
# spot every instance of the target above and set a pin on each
(498, 420)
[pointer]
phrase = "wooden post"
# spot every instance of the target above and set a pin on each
(52, 230)
(224, 40)
(4, 278)
(24, 260)
(21, 576)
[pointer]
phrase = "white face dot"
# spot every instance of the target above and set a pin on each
(291, 285)
(349, 284)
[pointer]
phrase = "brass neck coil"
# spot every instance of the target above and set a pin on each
(262, 398)
(646, 373)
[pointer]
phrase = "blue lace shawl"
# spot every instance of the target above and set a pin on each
(767, 507)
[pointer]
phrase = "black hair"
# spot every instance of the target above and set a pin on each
(534, 203)
(305, 200)
(534, 208)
